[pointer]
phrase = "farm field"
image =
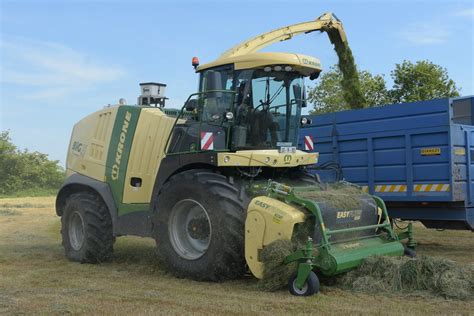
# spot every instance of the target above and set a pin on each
(35, 277)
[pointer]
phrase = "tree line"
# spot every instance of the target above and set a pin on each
(418, 81)
(21, 170)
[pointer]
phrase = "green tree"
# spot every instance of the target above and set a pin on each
(423, 80)
(327, 95)
(23, 170)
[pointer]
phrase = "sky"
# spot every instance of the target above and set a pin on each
(62, 60)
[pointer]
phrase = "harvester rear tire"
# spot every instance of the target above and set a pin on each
(86, 229)
(310, 287)
(222, 206)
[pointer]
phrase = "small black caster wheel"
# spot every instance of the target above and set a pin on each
(409, 252)
(310, 287)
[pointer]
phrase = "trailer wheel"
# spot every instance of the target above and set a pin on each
(310, 287)
(199, 226)
(86, 229)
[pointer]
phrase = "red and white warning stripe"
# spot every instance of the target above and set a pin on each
(207, 141)
(308, 143)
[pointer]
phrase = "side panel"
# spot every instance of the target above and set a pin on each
(90, 143)
(400, 152)
(147, 152)
(416, 156)
(267, 220)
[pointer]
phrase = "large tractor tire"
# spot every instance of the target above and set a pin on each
(301, 177)
(199, 226)
(87, 229)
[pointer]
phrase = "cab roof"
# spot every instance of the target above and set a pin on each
(306, 65)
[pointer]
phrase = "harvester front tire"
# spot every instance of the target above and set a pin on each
(86, 229)
(310, 287)
(199, 226)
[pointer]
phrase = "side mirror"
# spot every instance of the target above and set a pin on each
(300, 95)
(191, 105)
(314, 76)
(214, 82)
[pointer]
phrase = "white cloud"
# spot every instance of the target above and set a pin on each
(51, 70)
(425, 33)
(469, 12)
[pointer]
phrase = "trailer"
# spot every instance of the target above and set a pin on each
(418, 157)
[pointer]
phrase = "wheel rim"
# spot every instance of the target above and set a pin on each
(76, 231)
(189, 229)
(303, 289)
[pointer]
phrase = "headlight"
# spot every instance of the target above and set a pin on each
(305, 121)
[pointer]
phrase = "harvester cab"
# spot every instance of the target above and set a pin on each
(252, 108)
(219, 182)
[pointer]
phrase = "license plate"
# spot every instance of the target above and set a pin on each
(287, 150)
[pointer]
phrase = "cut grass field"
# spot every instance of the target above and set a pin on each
(35, 277)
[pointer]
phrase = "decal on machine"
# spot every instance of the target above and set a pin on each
(277, 218)
(78, 148)
(262, 204)
(120, 146)
(345, 216)
(430, 151)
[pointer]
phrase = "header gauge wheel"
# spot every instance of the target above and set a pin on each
(310, 287)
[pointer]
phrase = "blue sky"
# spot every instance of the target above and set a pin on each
(61, 60)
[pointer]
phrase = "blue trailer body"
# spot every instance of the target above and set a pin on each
(419, 157)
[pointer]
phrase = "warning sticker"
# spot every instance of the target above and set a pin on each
(431, 151)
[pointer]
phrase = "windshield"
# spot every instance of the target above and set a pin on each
(266, 105)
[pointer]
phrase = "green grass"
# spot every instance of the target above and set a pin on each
(36, 278)
(8, 212)
(33, 192)
(23, 205)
